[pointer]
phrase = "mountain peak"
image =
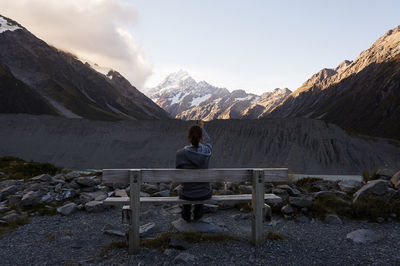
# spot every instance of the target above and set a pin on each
(8, 25)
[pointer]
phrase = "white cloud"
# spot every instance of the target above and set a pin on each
(96, 30)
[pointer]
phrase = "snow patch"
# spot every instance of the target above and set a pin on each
(176, 98)
(5, 26)
(243, 98)
(217, 100)
(196, 101)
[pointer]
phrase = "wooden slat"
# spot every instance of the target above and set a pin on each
(257, 204)
(134, 236)
(111, 176)
(269, 198)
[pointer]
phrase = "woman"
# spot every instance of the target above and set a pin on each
(195, 156)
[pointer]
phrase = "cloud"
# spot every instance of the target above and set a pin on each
(95, 30)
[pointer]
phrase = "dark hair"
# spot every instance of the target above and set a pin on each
(195, 134)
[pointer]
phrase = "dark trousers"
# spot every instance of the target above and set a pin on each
(197, 210)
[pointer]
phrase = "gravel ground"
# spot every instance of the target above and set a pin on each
(78, 239)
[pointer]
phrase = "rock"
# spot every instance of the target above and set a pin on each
(184, 257)
(12, 217)
(290, 190)
(120, 193)
(334, 193)
(48, 197)
(68, 194)
(14, 200)
(375, 188)
(146, 228)
(90, 196)
(31, 198)
(95, 206)
(164, 186)
(178, 243)
(43, 178)
(301, 202)
(149, 188)
(56, 181)
(88, 181)
(281, 193)
(210, 208)
(164, 193)
(287, 209)
(362, 236)
(175, 209)
(144, 194)
(396, 180)
(71, 176)
(10, 190)
(349, 185)
(67, 209)
(11, 182)
(245, 189)
(302, 219)
(114, 232)
(169, 252)
(332, 219)
(4, 209)
(385, 173)
(201, 226)
(267, 212)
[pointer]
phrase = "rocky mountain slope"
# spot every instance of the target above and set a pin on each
(184, 98)
(362, 96)
(303, 145)
(61, 84)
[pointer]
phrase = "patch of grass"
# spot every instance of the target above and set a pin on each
(12, 226)
(52, 237)
(331, 204)
(306, 183)
(372, 208)
(162, 240)
(112, 245)
(274, 236)
(16, 168)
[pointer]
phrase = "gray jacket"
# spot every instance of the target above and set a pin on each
(191, 157)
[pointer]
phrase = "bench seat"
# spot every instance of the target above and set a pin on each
(120, 201)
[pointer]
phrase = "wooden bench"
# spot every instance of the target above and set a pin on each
(135, 177)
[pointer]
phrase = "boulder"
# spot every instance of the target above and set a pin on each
(349, 185)
(301, 202)
(88, 181)
(331, 193)
(332, 219)
(372, 188)
(71, 176)
(362, 236)
(95, 206)
(287, 210)
(67, 209)
(292, 191)
(385, 173)
(31, 198)
(42, 178)
(164, 193)
(185, 257)
(245, 189)
(120, 193)
(10, 190)
(90, 196)
(149, 188)
(146, 228)
(396, 180)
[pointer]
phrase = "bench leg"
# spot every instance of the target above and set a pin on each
(257, 204)
(134, 237)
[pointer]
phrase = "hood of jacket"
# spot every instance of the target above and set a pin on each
(198, 156)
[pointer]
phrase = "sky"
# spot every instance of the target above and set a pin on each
(255, 45)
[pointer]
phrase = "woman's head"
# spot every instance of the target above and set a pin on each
(195, 134)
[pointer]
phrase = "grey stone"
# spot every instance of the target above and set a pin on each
(201, 226)
(120, 193)
(10, 190)
(43, 178)
(164, 193)
(348, 185)
(71, 176)
(169, 252)
(267, 212)
(362, 236)
(144, 194)
(12, 217)
(245, 189)
(95, 206)
(184, 257)
(375, 188)
(146, 228)
(68, 194)
(14, 199)
(178, 243)
(114, 232)
(31, 198)
(396, 180)
(88, 181)
(90, 196)
(48, 197)
(164, 186)
(149, 188)
(67, 209)
(290, 190)
(301, 202)
(287, 209)
(74, 185)
(4, 209)
(56, 181)
(385, 173)
(332, 219)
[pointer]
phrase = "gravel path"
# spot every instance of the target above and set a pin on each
(78, 239)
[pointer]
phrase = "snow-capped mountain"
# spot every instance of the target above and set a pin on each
(184, 98)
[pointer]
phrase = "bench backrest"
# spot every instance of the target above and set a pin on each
(121, 176)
